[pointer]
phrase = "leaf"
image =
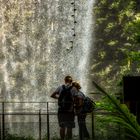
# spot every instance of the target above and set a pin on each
(123, 115)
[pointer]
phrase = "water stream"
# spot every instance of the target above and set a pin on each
(36, 53)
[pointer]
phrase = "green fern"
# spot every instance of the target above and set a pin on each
(122, 115)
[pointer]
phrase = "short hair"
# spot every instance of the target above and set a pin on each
(68, 79)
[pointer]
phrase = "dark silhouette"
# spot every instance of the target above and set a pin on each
(131, 94)
(65, 95)
(81, 115)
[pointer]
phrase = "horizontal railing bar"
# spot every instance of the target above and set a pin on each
(51, 113)
(28, 113)
(27, 102)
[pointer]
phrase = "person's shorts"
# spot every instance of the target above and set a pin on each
(66, 119)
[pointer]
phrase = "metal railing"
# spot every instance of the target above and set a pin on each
(39, 112)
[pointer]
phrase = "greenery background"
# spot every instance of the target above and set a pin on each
(117, 41)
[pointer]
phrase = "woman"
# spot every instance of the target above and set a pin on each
(81, 116)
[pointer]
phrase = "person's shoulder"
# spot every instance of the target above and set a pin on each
(81, 94)
(73, 89)
(59, 88)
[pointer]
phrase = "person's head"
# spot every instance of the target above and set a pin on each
(76, 85)
(68, 79)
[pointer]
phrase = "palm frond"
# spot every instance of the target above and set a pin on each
(123, 115)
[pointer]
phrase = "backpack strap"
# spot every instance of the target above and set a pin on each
(83, 95)
(63, 87)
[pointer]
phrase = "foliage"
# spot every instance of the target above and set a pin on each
(16, 137)
(53, 138)
(107, 129)
(122, 115)
(117, 33)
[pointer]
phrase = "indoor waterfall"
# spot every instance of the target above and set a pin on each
(36, 52)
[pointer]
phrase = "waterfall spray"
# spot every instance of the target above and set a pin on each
(42, 42)
(84, 41)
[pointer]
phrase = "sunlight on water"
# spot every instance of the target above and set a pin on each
(36, 53)
(86, 45)
(36, 47)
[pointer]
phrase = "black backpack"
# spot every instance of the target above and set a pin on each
(65, 100)
(88, 105)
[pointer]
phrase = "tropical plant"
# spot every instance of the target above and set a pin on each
(122, 115)
(117, 32)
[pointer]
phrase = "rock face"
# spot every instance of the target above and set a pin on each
(36, 49)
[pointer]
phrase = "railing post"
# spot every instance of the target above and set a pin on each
(40, 124)
(1, 125)
(92, 120)
(3, 122)
(48, 122)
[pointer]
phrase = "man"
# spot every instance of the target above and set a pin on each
(65, 95)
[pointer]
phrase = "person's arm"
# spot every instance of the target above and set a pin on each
(81, 102)
(55, 95)
(78, 104)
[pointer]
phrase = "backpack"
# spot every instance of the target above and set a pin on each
(88, 105)
(65, 100)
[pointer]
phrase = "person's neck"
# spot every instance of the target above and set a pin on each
(68, 84)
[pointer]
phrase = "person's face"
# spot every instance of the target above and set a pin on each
(67, 83)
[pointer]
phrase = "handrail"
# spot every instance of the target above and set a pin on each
(27, 102)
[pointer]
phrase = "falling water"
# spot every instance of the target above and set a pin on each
(36, 52)
(85, 41)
